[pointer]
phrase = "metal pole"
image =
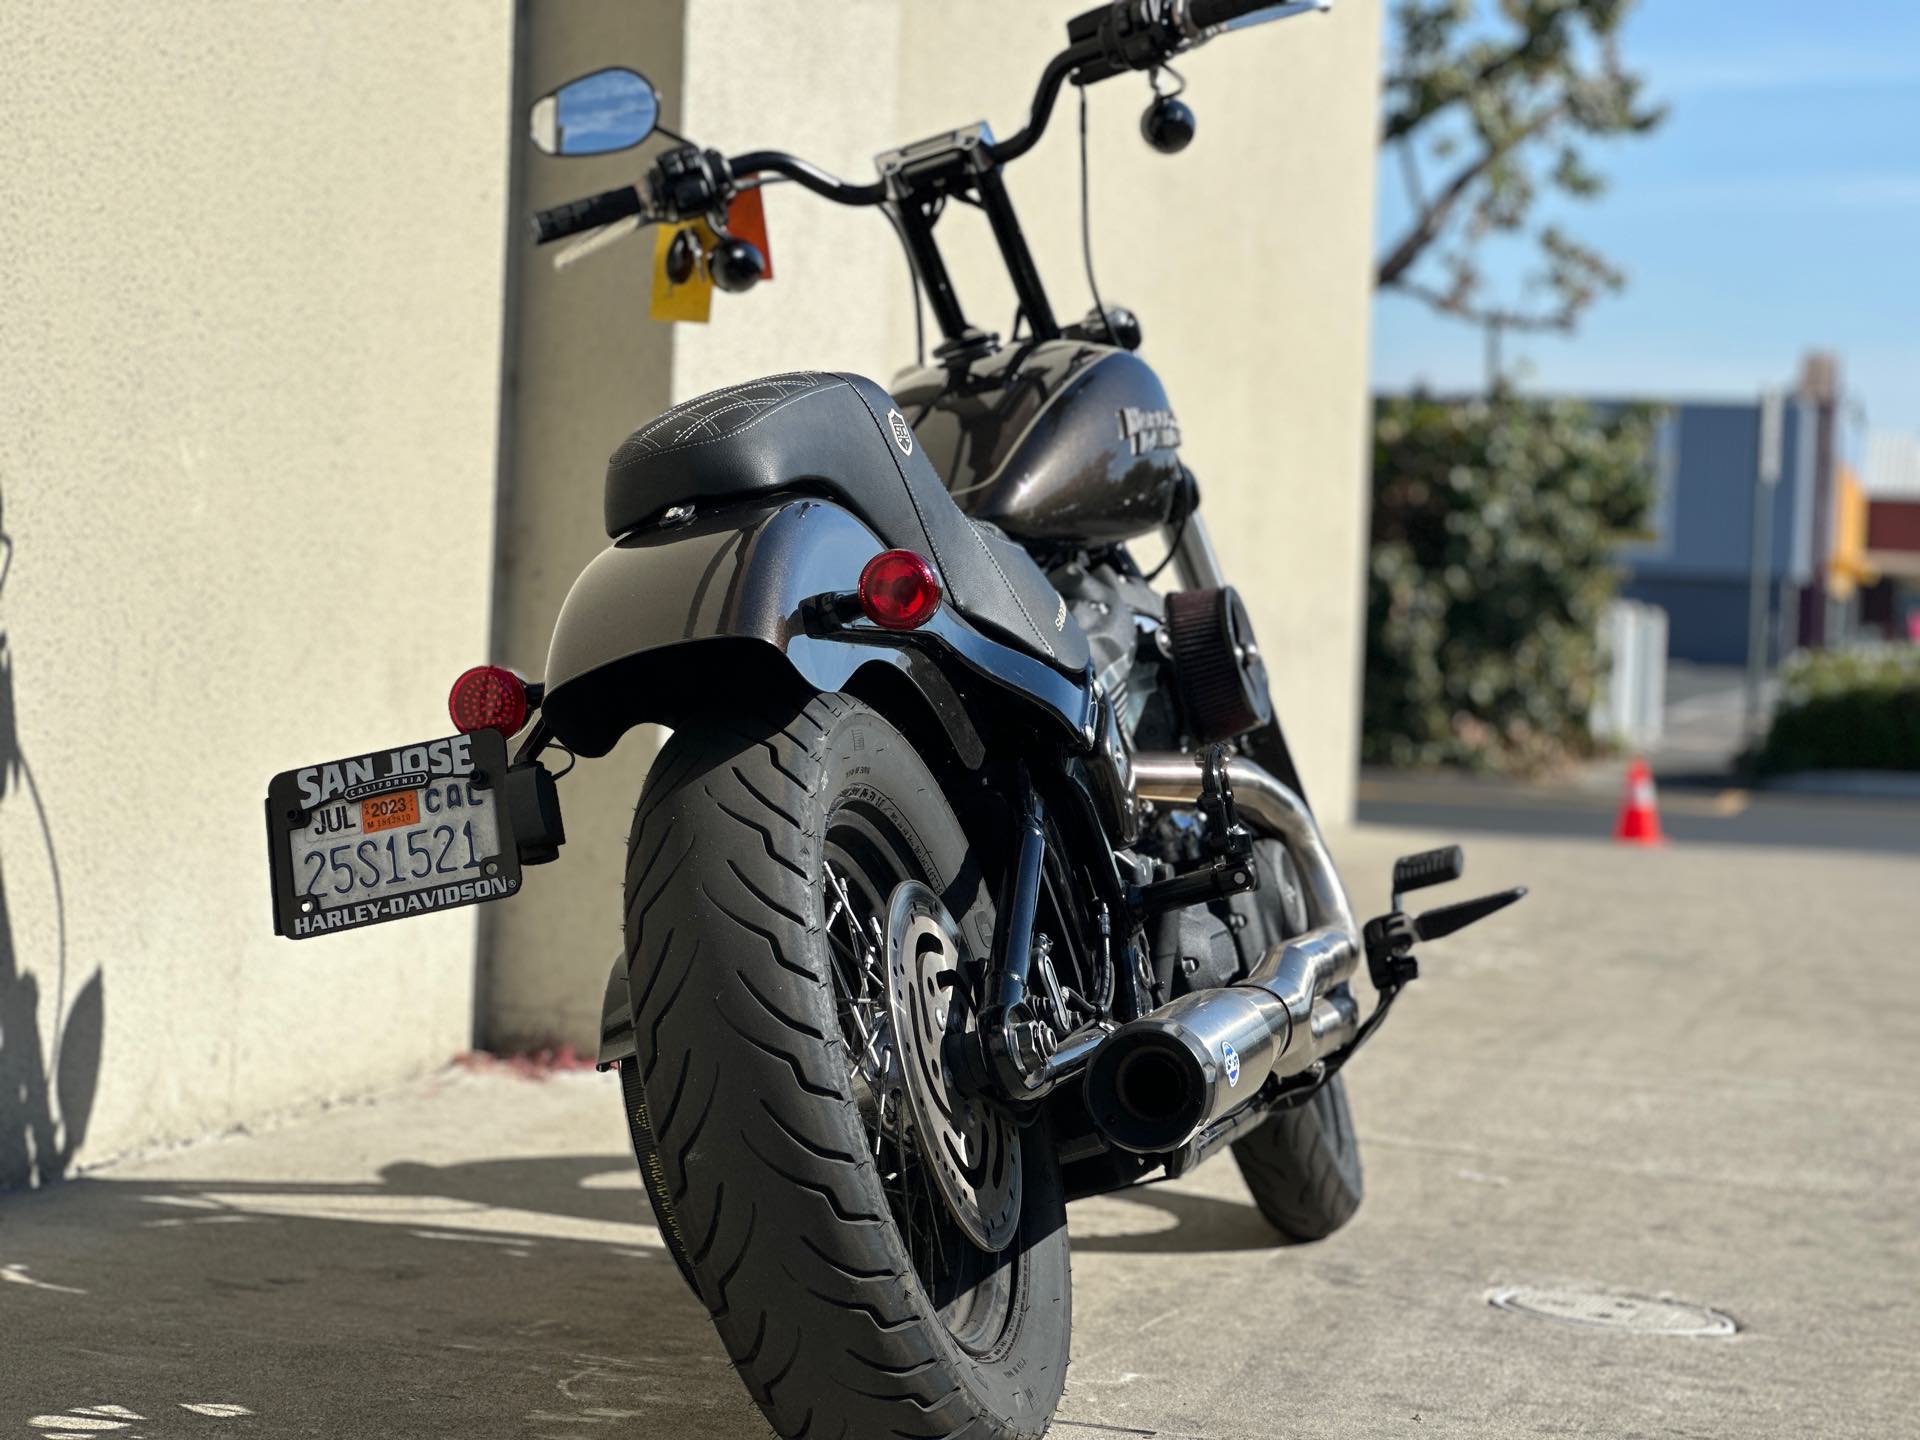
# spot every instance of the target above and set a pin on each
(1760, 560)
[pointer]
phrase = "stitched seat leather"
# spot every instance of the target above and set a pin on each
(840, 437)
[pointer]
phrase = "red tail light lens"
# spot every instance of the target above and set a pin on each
(898, 590)
(488, 698)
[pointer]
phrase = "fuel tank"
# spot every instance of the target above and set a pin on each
(1058, 440)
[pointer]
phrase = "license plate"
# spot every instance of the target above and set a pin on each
(390, 835)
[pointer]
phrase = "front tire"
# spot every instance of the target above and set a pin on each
(1303, 1166)
(785, 1190)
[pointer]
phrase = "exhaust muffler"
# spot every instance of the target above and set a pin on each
(1160, 1081)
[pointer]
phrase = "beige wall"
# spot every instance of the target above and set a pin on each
(1246, 256)
(250, 269)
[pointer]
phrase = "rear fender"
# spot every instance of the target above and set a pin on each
(670, 622)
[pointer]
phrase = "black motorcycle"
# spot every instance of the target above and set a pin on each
(976, 876)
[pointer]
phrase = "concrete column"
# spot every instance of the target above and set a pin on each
(583, 367)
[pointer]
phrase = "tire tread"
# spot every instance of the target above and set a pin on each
(720, 852)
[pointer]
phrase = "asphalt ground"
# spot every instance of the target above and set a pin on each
(1669, 1079)
(1694, 810)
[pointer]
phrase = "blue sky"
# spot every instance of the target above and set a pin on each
(1777, 209)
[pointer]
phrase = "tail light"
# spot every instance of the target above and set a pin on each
(488, 698)
(898, 590)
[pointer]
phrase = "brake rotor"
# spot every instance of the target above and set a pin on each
(971, 1148)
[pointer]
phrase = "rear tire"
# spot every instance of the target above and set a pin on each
(1303, 1166)
(842, 1304)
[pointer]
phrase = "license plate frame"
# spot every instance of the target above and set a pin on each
(388, 800)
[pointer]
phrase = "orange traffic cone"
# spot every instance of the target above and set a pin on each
(1639, 822)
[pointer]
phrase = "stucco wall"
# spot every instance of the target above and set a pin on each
(250, 275)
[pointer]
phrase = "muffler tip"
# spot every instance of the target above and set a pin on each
(1147, 1091)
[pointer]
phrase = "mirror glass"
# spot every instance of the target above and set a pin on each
(608, 110)
(1277, 12)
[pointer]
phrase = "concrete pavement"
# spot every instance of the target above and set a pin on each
(1686, 1073)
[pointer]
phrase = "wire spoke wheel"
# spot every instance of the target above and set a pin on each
(972, 1290)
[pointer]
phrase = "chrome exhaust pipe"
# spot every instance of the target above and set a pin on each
(1158, 1082)
(1274, 809)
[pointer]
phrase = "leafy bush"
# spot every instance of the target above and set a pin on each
(1847, 710)
(1494, 524)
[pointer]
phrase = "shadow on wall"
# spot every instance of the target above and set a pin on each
(45, 1096)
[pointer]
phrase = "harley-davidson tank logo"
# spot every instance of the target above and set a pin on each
(902, 432)
(1145, 430)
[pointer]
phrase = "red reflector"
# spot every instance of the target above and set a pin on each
(898, 590)
(488, 698)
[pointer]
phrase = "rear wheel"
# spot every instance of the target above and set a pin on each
(775, 1140)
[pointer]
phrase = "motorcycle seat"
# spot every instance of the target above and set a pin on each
(843, 438)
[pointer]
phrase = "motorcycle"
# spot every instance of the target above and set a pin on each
(976, 876)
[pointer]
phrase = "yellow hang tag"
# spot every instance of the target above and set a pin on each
(691, 300)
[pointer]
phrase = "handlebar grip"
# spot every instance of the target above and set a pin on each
(588, 214)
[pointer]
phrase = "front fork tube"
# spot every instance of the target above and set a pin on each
(1193, 558)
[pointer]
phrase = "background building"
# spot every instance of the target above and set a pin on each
(1890, 488)
(297, 429)
(1698, 565)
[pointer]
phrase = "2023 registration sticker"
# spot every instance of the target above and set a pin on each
(388, 812)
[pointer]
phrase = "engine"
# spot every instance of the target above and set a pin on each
(1181, 671)
(1125, 622)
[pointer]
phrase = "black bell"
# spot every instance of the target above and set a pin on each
(735, 265)
(1168, 124)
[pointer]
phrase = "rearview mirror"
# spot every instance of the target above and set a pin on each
(609, 110)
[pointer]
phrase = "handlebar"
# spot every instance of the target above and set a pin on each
(1109, 40)
(779, 162)
(588, 214)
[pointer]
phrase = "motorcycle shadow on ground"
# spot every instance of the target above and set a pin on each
(1160, 1220)
(523, 1297)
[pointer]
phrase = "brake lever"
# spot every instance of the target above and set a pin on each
(1437, 924)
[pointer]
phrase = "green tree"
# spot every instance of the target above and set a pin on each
(1494, 527)
(1484, 113)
